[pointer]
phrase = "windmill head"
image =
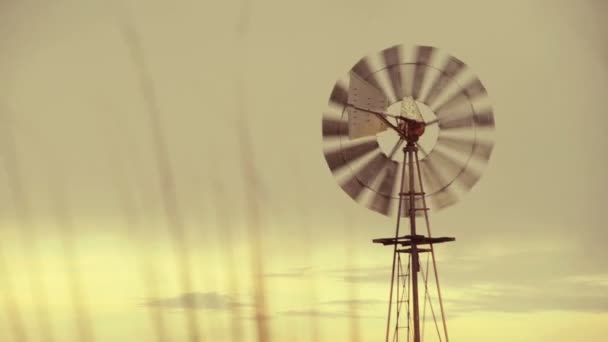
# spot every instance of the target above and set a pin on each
(417, 93)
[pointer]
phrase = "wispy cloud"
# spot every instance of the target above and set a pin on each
(516, 280)
(324, 314)
(195, 300)
(555, 295)
(356, 302)
(367, 274)
(291, 273)
(373, 274)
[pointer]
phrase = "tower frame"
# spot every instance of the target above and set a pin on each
(411, 131)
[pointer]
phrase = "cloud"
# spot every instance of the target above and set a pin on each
(292, 273)
(556, 295)
(355, 302)
(373, 274)
(195, 300)
(337, 309)
(515, 279)
(379, 274)
(324, 314)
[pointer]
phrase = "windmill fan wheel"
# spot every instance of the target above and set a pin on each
(418, 84)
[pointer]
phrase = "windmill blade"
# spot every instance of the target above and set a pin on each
(446, 124)
(387, 186)
(392, 60)
(339, 95)
(442, 161)
(478, 150)
(343, 156)
(334, 128)
(364, 71)
(382, 199)
(455, 144)
(443, 198)
(451, 69)
(484, 119)
(436, 187)
(452, 121)
(365, 176)
(468, 178)
(381, 204)
(431, 178)
(472, 91)
(475, 89)
(423, 60)
(482, 150)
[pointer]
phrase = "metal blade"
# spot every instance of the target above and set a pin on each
(423, 60)
(479, 150)
(484, 119)
(383, 197)
(456, 123)
(482, 150)
(392, 60)
(334, 128)
(443, 198)
(436, 187)
(339, 95)
(387, 186)
(431, 177)
(339, 158)
(468, 177)
(441, 161)
(458, 144)
(365, 177)
(452, 67)
(364, 70)
(475, 89)
(381, 204)
(471, 91)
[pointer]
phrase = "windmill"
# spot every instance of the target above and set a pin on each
(416, 100)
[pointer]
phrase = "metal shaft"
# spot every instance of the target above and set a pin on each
(401, 194)
(411, 150)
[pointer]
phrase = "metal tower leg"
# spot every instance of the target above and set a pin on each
(401, 197)
(411, 149)
(412, 242)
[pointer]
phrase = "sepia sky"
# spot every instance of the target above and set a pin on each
(96, 249)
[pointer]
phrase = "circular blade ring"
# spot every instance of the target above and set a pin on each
(433, 78)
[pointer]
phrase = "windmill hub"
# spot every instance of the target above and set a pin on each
(387, 139)
(413, 130)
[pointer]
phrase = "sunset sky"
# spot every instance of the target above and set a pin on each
(93, 248)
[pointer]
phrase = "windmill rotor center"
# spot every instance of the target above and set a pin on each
(426, 139)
